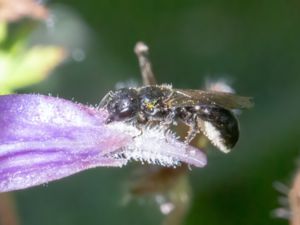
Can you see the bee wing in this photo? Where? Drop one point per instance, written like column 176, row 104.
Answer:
column 189, row 97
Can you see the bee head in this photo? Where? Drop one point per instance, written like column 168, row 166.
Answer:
column 123, row 104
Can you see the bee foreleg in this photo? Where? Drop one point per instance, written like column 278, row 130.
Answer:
column 141, row 118
column 171, row 118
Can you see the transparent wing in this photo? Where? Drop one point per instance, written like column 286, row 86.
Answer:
column 189, row 97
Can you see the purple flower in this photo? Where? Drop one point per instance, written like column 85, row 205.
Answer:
column 44, row 138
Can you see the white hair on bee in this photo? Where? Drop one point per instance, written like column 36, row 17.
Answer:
column 169, row 86
column 214, row 135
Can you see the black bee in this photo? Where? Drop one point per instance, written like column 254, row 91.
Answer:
column 206, row 111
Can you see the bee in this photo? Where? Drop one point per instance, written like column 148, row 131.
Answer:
column 209, row 112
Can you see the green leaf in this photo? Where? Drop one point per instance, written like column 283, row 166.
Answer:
column 29, row 67
column 3, row 31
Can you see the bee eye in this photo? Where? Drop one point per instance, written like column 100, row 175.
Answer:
column 123, row 105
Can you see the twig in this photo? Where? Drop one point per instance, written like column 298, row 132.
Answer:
column 142, row 52
column 8, row 212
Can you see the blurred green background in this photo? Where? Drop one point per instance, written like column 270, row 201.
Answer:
column 254, row 44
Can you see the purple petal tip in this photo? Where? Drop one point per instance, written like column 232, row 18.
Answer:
column 44, row 138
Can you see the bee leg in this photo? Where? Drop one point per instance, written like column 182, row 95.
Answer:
column 170, row 119
column 193, row 129
column 141, row 118
column 140, row 122
column 191, row 135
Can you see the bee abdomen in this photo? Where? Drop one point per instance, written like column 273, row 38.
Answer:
column 220, row 126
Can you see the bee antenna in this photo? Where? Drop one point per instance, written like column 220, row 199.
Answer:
column 142, row 52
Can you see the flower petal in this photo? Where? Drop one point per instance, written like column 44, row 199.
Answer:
column 44, row 138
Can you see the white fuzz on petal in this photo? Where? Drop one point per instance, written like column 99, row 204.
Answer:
column 158, row 145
